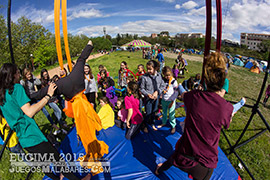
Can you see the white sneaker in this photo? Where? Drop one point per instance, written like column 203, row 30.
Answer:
column 243, row 101
column 56, row 132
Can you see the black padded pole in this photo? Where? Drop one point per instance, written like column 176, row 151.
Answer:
column 9, row 31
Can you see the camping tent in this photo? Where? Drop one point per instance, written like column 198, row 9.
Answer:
column 249, row 65
column 137, row 43
column 255, row 69
column 238, row 62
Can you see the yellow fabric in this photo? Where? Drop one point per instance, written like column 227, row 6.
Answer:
column 65, row 33
column 57, row 32
column 106, row 115
column 87, row 123
column 13, row 141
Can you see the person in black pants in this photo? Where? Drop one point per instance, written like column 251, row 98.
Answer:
column 72, row 84
column 69, row 86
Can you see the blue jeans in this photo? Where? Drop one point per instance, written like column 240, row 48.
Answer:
column 162, row 64
column 181, row 89
column 57, row 112
column 151, row 107
column 238, row 105
column 47, row 114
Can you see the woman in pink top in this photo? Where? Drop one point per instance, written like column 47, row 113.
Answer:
column 196, row 152
column 132, row 104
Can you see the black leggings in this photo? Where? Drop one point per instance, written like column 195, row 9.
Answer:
column 72, row 84
column 132, row 131
column 198, row 172
column 91, row 97
column 45, row 149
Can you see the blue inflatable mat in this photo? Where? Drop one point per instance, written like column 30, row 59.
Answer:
column 1, row 141
column 137, row 159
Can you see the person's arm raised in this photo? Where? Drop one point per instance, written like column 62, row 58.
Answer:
column 86, row 51
column 61, row 83
column 31, row 110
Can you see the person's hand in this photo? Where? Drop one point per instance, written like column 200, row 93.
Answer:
column 90, row 43
column 51, row 89
column 96, row 95
column 150, row 96
column 155, row 95
column 128, row 124
column 62, row 72
column 200, row 87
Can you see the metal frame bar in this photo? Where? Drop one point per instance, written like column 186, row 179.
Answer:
column 255, row 110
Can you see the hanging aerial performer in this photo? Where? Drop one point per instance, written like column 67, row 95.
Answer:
column 72, row 87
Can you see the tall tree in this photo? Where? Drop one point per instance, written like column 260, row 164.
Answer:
column 25, row 39
column 4, row 50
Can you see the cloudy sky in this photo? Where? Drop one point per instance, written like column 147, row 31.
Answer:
column 144, row 17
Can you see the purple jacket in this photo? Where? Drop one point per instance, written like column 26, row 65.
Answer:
column 175, row 72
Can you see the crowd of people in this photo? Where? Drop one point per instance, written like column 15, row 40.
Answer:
column 152, row 90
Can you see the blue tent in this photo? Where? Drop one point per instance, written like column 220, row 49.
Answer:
column 249, row 65
column 137, row 158
column 238, row 62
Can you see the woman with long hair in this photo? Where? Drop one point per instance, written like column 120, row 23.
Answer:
column 17, row 110
column 45, row 81
column 196, row 152
column 90, row 85
column 105, row 82
column 31, row 84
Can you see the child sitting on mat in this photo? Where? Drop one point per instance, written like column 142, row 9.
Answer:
column 106, row 113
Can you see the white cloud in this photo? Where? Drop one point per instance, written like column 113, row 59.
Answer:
column 85, row 10
column 177, row 6
column 45, row 17
column 190, row 5
column 86, row 13
column 248, row 16
column 197, row 12
column 142, row 28
column 200, row 12
column 39, row 16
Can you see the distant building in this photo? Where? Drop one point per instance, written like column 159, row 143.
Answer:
column 196, row 35
column 189, row 35
column 230, row 43
column 252, row 40
column 154, row 35
column 164, row 34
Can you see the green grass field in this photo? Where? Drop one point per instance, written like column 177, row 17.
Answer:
column 242, row 84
